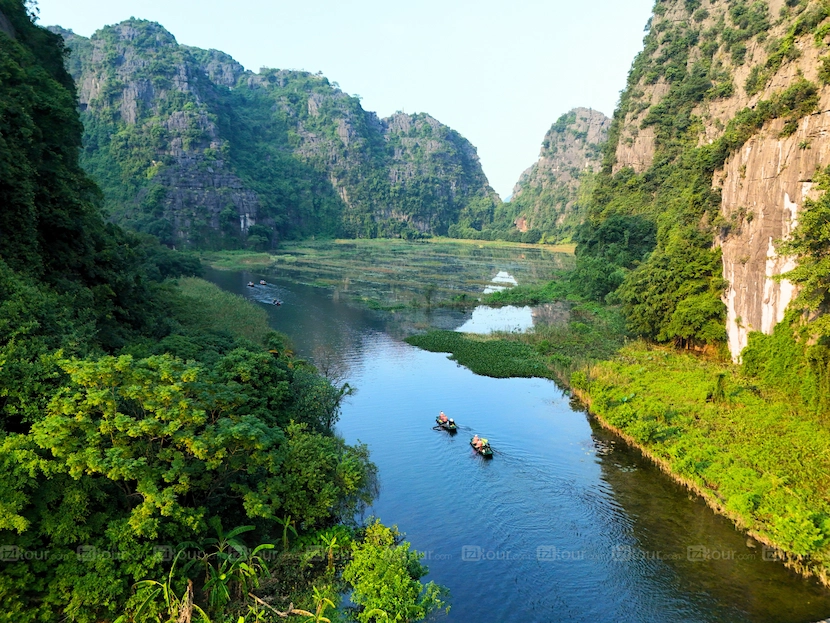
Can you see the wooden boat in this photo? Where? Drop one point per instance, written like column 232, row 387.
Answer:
column 450, row 427
column 485, row 450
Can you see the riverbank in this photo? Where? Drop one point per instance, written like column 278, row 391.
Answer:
column 747, row 450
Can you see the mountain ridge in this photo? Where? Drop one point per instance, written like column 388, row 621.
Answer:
column 545, row 196
column 210, row 150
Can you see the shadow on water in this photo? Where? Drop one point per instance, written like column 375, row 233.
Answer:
column 564, row 523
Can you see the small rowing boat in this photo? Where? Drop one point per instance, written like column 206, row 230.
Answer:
column 484, row 449
column 448, row 426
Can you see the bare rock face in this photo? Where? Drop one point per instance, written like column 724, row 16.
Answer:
column 765, row 183
column 6, row 26
column 546, row 192
column 764, row 188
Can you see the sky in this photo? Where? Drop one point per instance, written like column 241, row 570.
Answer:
column 500, row 72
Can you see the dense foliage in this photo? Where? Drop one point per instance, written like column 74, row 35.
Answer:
column 142, row 410
column 670, row 283
column 385, row 578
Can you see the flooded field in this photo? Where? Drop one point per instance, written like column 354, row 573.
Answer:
column 399, row 273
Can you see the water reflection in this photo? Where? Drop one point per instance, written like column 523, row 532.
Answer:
column 564, row 524
column 503, row 277
column 489, row 319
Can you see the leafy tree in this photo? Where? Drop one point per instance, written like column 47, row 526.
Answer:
column 810, row 245
column 385, row 576
column 607, row 250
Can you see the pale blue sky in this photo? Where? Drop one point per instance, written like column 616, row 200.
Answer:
column 499, row 72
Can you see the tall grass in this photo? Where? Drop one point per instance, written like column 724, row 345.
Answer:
column 750, row 451
column 207, row 308
column 237, row 260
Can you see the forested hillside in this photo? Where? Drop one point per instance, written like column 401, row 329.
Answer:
column 550, row 197
column 156, row 439
column 188, row 145
column 715, row 157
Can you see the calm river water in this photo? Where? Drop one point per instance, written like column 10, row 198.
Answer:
column 565, row 523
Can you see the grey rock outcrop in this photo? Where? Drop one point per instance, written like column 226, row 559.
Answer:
column 188, row 144
column 6, row 26
column 546, row 193
column 765, row 183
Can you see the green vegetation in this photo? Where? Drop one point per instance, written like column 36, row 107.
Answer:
column 746, row 447
column 585, row 333
column 486, row 355
column 286, row 149
column 208, row 309
column 528, row 294
column 394, row 274
column 385, row 578
column 238, row 260
column 143, row 410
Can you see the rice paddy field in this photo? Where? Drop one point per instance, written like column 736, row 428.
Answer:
column 397, row 273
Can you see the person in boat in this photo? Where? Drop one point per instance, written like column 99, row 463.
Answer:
column 262, row 282
column 250, row 284
column 276, row 302
column 442, row 418
column 451, row 423
column 476, row 442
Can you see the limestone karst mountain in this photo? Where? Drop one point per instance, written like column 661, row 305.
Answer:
column 545, row 199
column 715, row 146
column 188, row 145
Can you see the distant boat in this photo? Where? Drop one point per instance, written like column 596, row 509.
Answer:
column 276, row 302
column 250, row 284
column 262, row 282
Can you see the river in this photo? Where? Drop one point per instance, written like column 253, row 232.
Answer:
column 565, row 523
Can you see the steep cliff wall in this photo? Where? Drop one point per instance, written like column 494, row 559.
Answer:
column 188, row 145
column 544, row 198
column 706, row 69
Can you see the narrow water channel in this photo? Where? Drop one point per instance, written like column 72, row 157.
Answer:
column 565, row 523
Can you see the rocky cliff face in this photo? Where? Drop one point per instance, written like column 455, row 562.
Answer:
column 754, row 53
column 546, row 194
column 188, row 145
column 6, row 26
